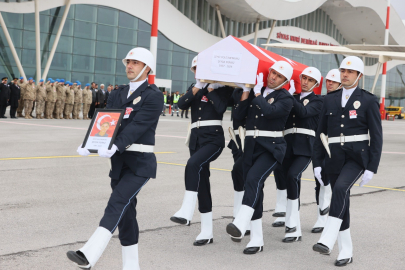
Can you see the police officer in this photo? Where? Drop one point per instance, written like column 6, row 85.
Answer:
column 29, row 97
column 235, row 145
column 15, row 95
column 267, row 110
column 87, row 100
column 133, row 162
column 206, row 142
column 175, row 100
column 299, row 134
column 348, row 116
column 40, row 99
column 323, row 193
column 4, row 97
column 21, row 84
column 78, row 93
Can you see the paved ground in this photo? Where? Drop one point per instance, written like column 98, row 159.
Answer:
column 51, row 201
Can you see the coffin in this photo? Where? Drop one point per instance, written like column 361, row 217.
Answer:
column 233, row 60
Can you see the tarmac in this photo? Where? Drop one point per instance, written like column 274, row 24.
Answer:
column 51, row 201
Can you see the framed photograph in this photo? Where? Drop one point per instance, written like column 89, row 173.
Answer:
column 103, row 129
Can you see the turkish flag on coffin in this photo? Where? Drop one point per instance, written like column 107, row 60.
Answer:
column 233, row 60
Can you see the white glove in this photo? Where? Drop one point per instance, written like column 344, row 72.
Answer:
column 259, row 84
column 367, row 176
column 82, row 151
column 317, row 174
column 199, row 84
column 214, row 85
column 107, row 153
column 292, row 87
column 245, row 89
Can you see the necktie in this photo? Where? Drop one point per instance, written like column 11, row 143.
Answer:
column 131, row 91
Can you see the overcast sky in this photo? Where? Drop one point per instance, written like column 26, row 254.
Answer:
column 399, row 6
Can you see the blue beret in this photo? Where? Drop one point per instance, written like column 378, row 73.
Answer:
column 30, row 78
column 21, row 78
column 61, row 80
column 50, row 79
column 87, row 84
column 79, row 83
column 41, row 80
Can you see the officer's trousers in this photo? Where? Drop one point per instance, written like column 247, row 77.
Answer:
column 13, row 111
column 280, row 178
column 92, row 109
column 237, row 172
column 182, row 112
column 120, row 211
column 325, row 180
column 20, row 107
column 197, row 174
column 3, row 107
column 292, row 169
column 341, row 185
column 254, row 176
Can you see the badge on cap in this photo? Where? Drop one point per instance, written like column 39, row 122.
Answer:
column 356, row 104
column 270, row 101
column 306, row 101
column 136, row 100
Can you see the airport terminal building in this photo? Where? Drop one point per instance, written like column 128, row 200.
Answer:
column 96, row 35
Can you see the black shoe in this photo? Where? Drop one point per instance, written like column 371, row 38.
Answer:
column 179, row 220
column 324, row 211
column 292, row 239
column 164, row 115
column 278, row 224
column 186, row 117
column 78, row 258
column 234, row 232
column 290, row 230
column 321, row 248
column 247, row 232
column 177, row 115
column 172, row 114
column 203, row 242
column 343, row 262
column 3, row 117
column 317, row 230
column 279, row 214
column 182, row 117
column 252, row 250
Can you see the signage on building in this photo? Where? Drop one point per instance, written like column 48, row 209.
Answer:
column 302, row 40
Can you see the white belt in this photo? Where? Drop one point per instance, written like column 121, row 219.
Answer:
column 264, row 133
column 236, row 131
column 141, row 148
column 344, row 139
column 300, row 131
column 206, row 123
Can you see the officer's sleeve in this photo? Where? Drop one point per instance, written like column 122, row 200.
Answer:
column 185, row 101
column 318, row 151
column 147, row 116
column 241, row 108
column 376, row 137
column 311, row 109
column 218, row 99
column 280, row 108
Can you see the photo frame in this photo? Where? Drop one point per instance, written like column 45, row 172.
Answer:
column 103, row 129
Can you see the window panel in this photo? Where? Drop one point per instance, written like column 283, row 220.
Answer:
column 13, row 20
column 144, row 39
column 85, row 30
column 58, row 11
column 105, row 65
column 68, row 28
column 179, row 73
column 123, row 50
column 82, row 63
column 127, row 36
column 61, row 74
column 86, row 13
column 164, row 57
column 180, row 59
column 105, row 79
column 106, row 49
column 16, row 37
column 84, row 46
column 106, row 33
column 29, row 39
column 65, row 44
column 120, row 68
column 144, row 26
column 163, row 72
column 164, row 43
column 62, row 61
column 107, row 16
column 83, row 78
column 121, row 80
column 128, row 21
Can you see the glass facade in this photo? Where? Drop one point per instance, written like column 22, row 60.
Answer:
column 93, row 43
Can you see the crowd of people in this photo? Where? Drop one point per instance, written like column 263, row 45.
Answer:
column 53, row 99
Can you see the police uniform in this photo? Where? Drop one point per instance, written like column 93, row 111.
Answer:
column 15, row 95
column 133, row 163
column 205, row 144
column 237, row 152
column 265, row 147
column 351, row 120
column 4, row 98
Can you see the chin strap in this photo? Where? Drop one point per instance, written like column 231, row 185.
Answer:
column 354, row 82
column 281, row 85
column 140, row 74
column 315, row 85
